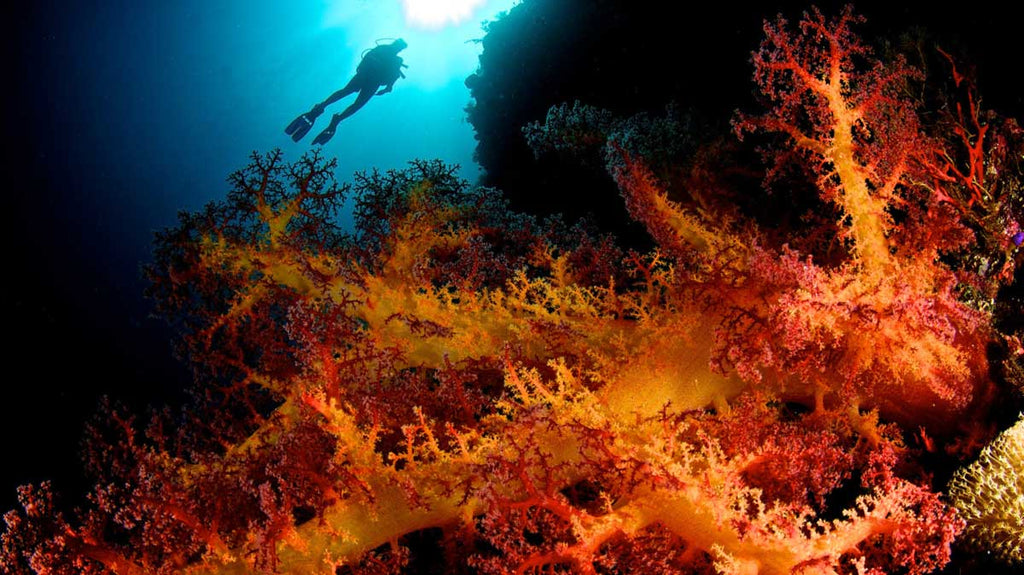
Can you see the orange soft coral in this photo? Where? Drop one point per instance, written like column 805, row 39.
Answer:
column 525, row 397
column 383, row 405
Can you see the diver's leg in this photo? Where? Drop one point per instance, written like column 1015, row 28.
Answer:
column 301, row 125
column 364, row 96
column 352, row 86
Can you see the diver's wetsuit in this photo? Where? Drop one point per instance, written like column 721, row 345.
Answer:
column 362, row 83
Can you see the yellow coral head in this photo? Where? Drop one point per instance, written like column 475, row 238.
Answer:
column 989, row 494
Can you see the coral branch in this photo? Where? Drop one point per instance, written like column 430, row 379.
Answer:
column 527, row 397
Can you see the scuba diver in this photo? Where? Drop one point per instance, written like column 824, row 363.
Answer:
column 380, row 66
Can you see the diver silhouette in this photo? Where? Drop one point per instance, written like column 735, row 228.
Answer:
column 380, row 66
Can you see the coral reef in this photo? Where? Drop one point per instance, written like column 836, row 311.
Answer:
column 459, row 384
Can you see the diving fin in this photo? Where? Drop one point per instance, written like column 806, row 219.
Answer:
column 300, row 126
column 328, row 132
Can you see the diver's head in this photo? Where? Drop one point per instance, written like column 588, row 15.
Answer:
column 399, row 45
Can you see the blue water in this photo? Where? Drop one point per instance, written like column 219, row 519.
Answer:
column 162, row 100
column 120, row 114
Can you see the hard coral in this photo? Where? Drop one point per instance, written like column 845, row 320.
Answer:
column 989, row 495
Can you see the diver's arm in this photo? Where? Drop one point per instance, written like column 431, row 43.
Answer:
column 390, row 86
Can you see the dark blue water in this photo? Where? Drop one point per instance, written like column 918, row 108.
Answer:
column 119, row 114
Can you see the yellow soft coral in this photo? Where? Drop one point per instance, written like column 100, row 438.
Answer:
column 990, row 495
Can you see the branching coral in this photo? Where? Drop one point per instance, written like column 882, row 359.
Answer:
column 533, row 396
column 787, row 320
column 382, row 402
